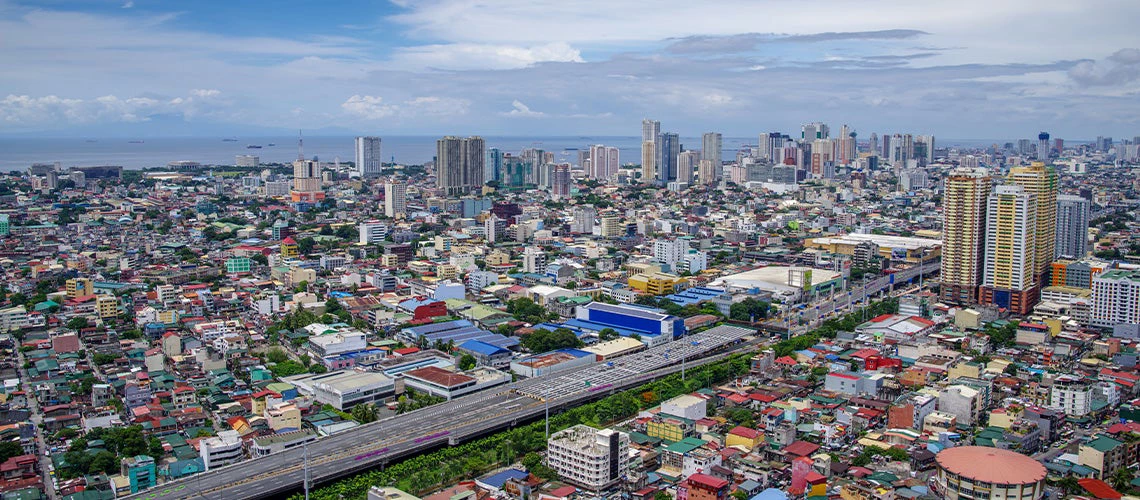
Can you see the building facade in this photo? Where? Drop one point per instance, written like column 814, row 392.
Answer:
column 963, row 234
column 1072, row 239
column 1115, row 298
column 368, row 159
column 1010, row 255
column 587, row 457
column 459, row 164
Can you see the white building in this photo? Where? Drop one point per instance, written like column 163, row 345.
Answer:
column 224, row 449
column 247, row 160
column 373, row 232
column 670, row 251
column 1115, row 298
column 1071, row 395
column 344, row 389
column 333, row 344
column 395, row 199
column 534, row 260
column 368, row 160
column 686, row 406
column 604, row 161
column 587, row 457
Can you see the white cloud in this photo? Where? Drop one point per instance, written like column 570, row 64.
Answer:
column 522, row 110
column 17, row 111
column 465, row 56
column 369, row 107
column 128, row 4
column 205, row 93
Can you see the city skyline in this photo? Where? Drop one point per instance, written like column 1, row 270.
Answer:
column 447, row 67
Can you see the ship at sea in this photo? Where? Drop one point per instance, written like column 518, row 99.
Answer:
column 134, row 142
column 253, row 146
column 229, row 140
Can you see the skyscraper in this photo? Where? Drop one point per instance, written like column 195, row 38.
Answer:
column 1043, row 146
column 873, row 144
column 667, row 151
column 709, row 172
column 963, row 234
column 494, row 171
column 1040, row 181
column 812, row 131
column 307, row 181
column 650, row 129
column 459, row 164
column 711, row 146
column 764, row 146
column 395, row 199
column 368, row 159
column 648, row 161
column 1008, row 278
column 821, row 153
column 604, row 162
column 1072, row 227
column 560, row 185
column 686, row 163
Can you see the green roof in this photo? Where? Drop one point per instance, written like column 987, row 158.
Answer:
column 1103, row 443
column 685, row 445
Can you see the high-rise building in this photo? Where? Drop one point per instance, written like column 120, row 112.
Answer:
column 604, row 162
column 1043, row 146
column 1072, row 227
column 812, row 131
column 560, row 184
column 650, row 129
column 1040, row 181
column 963, row 234
column 368, row 160
column 686, row 163
column 711, row 143
column 763, row 146
column 494, row 167
column 1116, row 298
column 307, row 181
column 648, row 161
column 1008, row 277
column 459, row 164
column 667, row 151
column 709, row 172
column 821, row 153
column 395, row 199
column 670, row 251
column 873, row 144
column 583, row 222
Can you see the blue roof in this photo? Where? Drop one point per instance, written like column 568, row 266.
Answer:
column 498, row 480
column 595, row 326
column 483, row 348
column 340, row 295
column 771, row 494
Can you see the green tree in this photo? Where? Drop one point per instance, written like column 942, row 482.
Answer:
column 545, row 340
column 525, row 310
column 467, row 362
column 608, row 334
column 1121, row 479
column 9, row 449
column 662, row 495
column 364, row 413
column 276, row 355
column 77, row 323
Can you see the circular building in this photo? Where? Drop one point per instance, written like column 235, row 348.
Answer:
column 978, row 472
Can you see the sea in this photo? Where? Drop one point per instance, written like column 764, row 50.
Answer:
column 19, row 154
column 151, row 152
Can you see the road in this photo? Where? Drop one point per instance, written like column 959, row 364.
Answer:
column 37, row 419
column 374, row 445
column 856, row 296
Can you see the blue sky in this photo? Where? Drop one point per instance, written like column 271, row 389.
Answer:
column 968, row 69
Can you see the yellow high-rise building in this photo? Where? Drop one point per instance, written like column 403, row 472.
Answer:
column 1040, row 180
column 1008, row 279
column 963, row 234
column 648, row 161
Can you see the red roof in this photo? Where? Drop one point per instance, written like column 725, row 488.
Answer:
column 707, row 481
column 744, row 432
column 762, row 397
column 407, row 350
column 924, row 321
column 786, row 360
column 1099, row 489
column 847, row 376
column 289, row 240
column 65, row 343
column 801, row 448
column 882, row 317
column 563, row 492
column 439, row 376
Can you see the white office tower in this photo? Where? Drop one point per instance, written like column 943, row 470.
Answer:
column 709, row 172
column 372, row 231
column 669, row 251
column 534, row 260
column 395, row 199
column 813, row 131
column 368, row 161
column 491, row 229
column 711, row 147
column 1072, row 227
column 247, row 161
column 604, row 162
column 686, row 164
column 589, row 458
column 583, row 222
column 764, row 147
column 1116, row 298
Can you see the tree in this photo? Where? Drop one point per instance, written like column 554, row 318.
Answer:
column 749, row 309
column 364, row 413
column 608, row 334
column 662, row 495
column 276, row 355
column 1121, row 479
column 101, row 358
column 77, row 323
column 525, row 310
column 9, row 449
column 467, row 362
column 545, row 340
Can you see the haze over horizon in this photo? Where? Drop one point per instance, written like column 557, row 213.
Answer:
column 969, row 70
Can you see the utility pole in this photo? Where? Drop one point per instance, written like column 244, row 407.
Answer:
column 547, row 401
column 306, row 469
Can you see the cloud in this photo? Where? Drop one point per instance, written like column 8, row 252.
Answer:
column 21, row 111
column 369, row 107
column 128, row 4
column 522, row 110
column 1122, row 67
column 747, row 42
column 475, row 56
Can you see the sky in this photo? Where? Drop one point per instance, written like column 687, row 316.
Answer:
column 964, row 69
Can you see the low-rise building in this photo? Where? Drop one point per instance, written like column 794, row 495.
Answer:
column 587, row 457
column 224, row 449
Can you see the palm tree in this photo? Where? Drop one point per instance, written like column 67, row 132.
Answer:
column 1121, row 479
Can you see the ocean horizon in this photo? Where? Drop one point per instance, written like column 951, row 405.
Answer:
column 156, row 152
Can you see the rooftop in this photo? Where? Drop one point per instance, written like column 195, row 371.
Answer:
column 991, row 465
